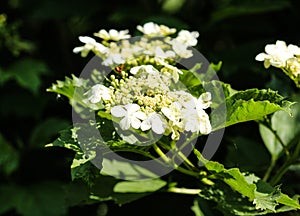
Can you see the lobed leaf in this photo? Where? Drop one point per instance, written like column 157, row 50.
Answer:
column 252, row 104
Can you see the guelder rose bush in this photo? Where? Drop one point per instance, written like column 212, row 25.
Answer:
column 143, row 100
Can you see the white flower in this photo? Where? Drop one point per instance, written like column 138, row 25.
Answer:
column 294, row 49
column 196, row 120
column 276, row 54
column 112, row 34
column 174, row 71
column 174, row 114
column 132, row 116
column 144, row 68
column 184, row 98
column 152, row 29
column 181, row 49
column 113, row 59
column 188, row 38
column 90, row 44
column 154, row 121
column 204, row 101
column 293, row 64
column 97, row 93
column 161, row 54
column 165, row 30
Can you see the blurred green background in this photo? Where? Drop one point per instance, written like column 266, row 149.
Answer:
column 36, row 42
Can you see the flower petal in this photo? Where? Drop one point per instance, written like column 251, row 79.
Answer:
column 261, row 57
column 118, row 111
column 86, row 39
column 135, row 123
column 125, row 123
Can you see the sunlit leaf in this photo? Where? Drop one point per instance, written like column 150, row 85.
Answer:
column 139, row 186
column 252, row 104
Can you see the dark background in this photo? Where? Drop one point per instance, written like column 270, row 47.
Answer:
column 36, row 50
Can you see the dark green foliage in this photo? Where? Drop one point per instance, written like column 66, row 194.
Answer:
column 36, row 42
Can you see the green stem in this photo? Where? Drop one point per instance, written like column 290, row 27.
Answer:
column 185, row 171
column 184, row 191
column 185, row 159
column 170, row 162
column 270, row 168
column 161, row 154
column 284, row 168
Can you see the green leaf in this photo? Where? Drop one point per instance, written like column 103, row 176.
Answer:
column 286, row 200
column 27, row 72
column 76, row 193
column 252, row 104
column 267, row 201
column 66, row 140
column 194, row 78
column 141, row 186
column 263, row 195
column 86, row 164
column 219, row 91
column 285, row 126
column 47, row 129
column 228, row 201
column 103, row 190
column 242, row 8
column 9, row 157
column 172, row 6
column 126, row 170
column 74, row 89
column 234, row 178
column 247, row 154
column 4, row 77
column 46, row 199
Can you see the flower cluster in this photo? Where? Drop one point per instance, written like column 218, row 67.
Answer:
column 282, row 56
column 116, row 47
column 146, row 95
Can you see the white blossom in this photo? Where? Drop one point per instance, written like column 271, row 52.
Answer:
column 97, row 93
column 196, row 120
column 164, row 54
column 185, row 99
column 152, row 29
column 294, row 49
column 174, row 71
column 181, row 49
column 90, row 45
column 144, row 68
column 130, row 114
column 174, row 113
column 112, row 34
column 165, row 30
column 188, row 38
column 276, row 54
column 204, row 101
column 113, row 59
column 293, row 64
column 154, row 121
